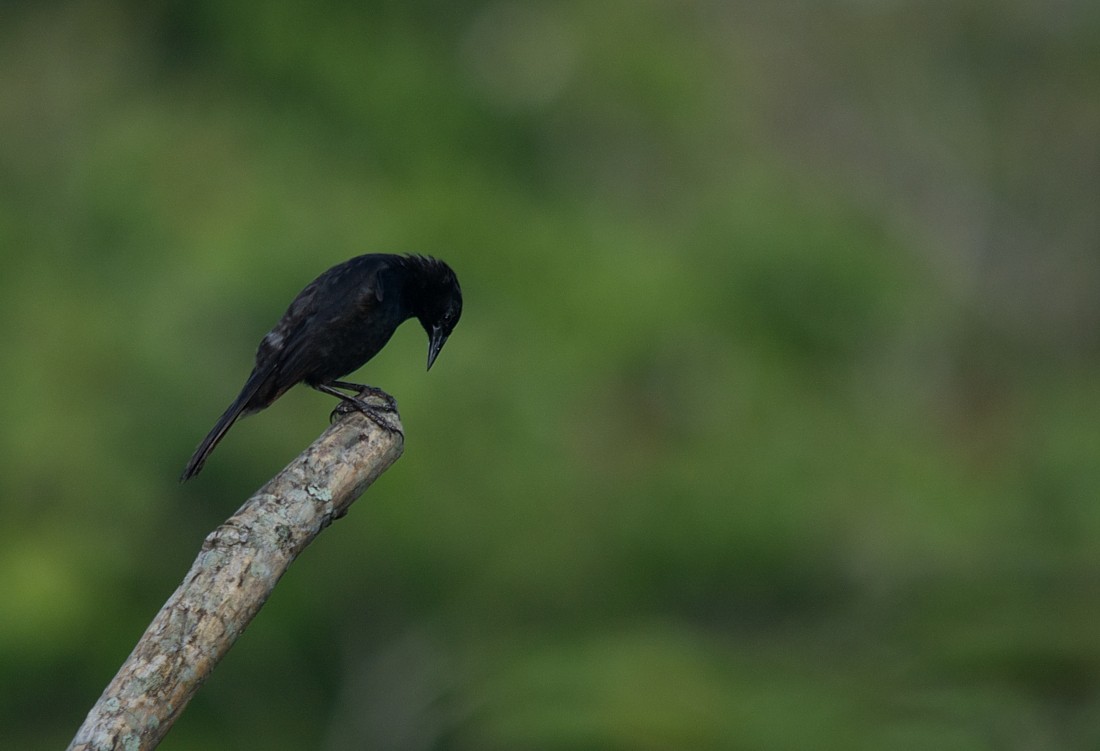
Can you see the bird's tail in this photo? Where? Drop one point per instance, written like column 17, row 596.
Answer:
column 238, row 409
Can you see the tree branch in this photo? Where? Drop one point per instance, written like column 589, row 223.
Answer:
column 233, row 575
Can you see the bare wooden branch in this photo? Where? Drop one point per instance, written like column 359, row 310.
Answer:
column 235, row 572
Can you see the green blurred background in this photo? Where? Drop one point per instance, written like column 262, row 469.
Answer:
column 771, row 422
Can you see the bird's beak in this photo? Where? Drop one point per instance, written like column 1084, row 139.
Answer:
column 435, row 343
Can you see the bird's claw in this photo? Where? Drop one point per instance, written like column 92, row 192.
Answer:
column 364, row 391
column 389, row 402
column 374, row 412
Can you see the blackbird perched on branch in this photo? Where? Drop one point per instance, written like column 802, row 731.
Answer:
column 337, row 323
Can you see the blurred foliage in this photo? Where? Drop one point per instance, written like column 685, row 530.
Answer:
column 771, row 422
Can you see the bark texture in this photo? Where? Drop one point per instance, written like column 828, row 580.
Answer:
column 233, row 575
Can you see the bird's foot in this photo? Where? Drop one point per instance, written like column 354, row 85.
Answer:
column 371, row 412
column 379, row 414
column 362, row 390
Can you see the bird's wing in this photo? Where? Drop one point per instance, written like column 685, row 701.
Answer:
column 319, row 308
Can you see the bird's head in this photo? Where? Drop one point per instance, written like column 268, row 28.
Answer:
column 439, row 303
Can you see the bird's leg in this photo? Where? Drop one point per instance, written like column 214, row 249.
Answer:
column 364, row 390
column 349, row 403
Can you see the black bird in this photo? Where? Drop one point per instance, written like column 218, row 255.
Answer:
column 338, row 322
